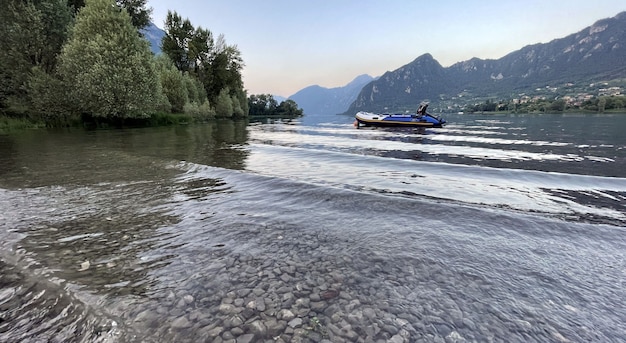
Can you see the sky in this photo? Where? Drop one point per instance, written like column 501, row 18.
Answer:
column 288, row 45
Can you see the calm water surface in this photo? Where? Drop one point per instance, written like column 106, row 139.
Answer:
column 505, row 228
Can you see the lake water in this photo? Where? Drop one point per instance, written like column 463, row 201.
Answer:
column 500, row 228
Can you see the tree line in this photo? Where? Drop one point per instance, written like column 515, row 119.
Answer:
column 64, row 61
column 597, row 104
column 266, row 105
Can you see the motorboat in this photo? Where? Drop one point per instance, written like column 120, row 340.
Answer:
column 419, row 119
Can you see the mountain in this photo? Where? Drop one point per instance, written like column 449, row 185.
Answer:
column 320, row 100
column 154, row 35
column 591, row 55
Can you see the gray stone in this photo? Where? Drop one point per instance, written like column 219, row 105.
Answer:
column 274, row 327
column 257, row 328
column 318, row 306
column 285, row 314
column 181, row 323
column 226, row 308
column 188, row 299
column 234, row 321
column 369, row 313
column 260, row 304
column 295, row 322
column 227, row 335
column 215, row 332
column 242, row 293
column 247, row 338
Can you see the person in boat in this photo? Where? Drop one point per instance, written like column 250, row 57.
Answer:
column 421, row 111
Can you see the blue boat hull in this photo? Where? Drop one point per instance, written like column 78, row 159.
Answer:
column 406, row 120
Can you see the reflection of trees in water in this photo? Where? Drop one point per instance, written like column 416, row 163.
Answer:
column 7, row 154
column 105, row 188
column 217, row 143
column 75, row 156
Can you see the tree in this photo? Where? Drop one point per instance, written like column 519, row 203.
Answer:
column 46, row 93
column 224, row 104
column 106, row 66
column 76, row 5
column 175, row 43
column 288, row 108
column 214, row 63
column 602, row 104
column 173, row 84
column 139, row 13
column 266, row 105
column 557, row 105
column 31, row 35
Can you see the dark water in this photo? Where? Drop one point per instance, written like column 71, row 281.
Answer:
column 492, row 229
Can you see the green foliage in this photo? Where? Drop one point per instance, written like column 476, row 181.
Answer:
column 173, row 84
column 288, row 108
column 596, row 104
column 164, row 119
column 177, row 41
column 106, row 66
column 224, row 104
column 67, row 59
column 195, row 89
column 216, row 65
column 8, row 124
column 47, row 99
column 199, row 111
column 139, row 13
column 31, row 34
column 266, row 105
column 262, row 104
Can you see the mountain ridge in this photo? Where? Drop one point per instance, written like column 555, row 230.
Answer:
column 592, row 54
column 318, row 100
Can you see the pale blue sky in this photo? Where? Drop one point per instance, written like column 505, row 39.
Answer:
column 288, row 45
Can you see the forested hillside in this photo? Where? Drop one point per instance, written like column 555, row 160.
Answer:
column 63, row 62
column 583, row 64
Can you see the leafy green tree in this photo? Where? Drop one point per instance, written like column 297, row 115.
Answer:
column 76, row 5
column 195, row 89
column 266, row 105
column 289, row 108
column 214, row 63
column 602, row 104
column 31, row 34
column 242, row 96
column 557, row 105
column 107, row 67
column 56, row 18
column 262, row 104
column 46, row 92
column 137, row 9
column 173, row 84
column 225, row 68
column 224, row 104
column 175, row 43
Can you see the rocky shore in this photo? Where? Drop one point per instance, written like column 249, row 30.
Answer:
column 297, row 290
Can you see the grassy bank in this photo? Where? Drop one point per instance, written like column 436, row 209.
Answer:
column 8, row 124
column 12, row 124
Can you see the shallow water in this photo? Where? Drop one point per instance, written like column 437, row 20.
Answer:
column 494, row 228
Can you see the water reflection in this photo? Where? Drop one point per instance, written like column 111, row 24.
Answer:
column 206, row 232
column 75, row 156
